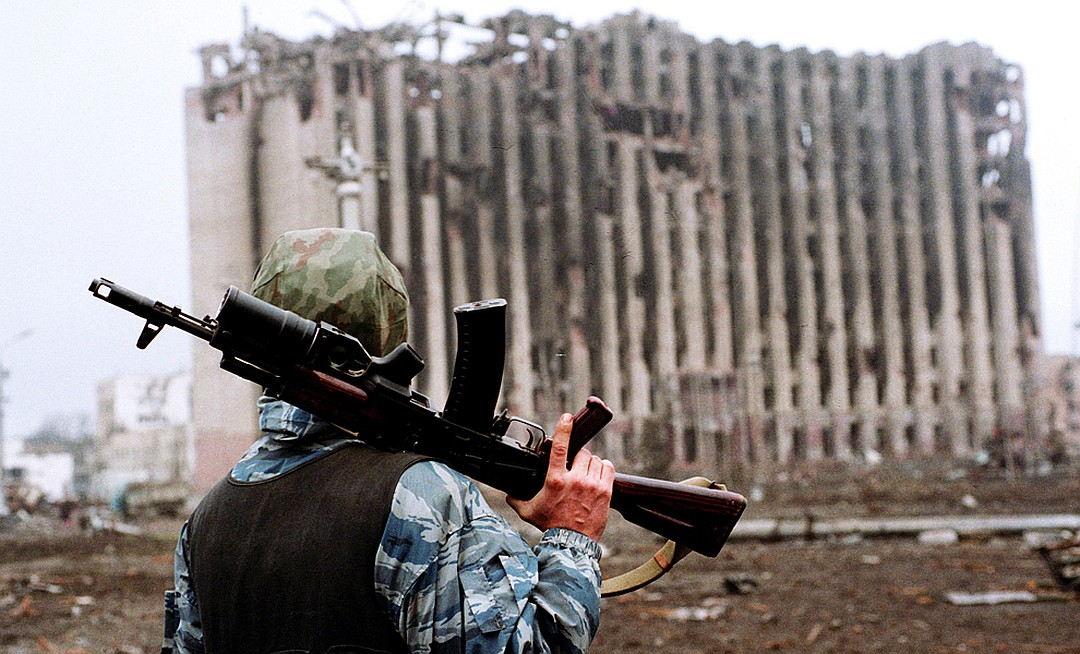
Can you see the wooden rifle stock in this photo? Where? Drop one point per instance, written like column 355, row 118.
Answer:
column 692, row 516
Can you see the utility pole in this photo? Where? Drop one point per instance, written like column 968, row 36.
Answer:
column 346, row 169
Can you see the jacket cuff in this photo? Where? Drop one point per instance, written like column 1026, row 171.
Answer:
column 572, row 539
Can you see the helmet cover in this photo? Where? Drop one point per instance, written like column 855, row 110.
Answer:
column 339, row 276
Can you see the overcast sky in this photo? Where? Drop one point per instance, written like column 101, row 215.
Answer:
column 92, row 169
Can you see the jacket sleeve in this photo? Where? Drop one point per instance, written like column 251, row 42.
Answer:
column 188, row 638
column 455, row 576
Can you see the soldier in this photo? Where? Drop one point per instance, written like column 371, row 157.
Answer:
column 318, row 543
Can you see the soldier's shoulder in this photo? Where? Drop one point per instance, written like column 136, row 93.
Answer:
column 432, row 490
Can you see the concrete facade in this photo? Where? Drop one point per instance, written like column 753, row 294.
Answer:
column 755, row 256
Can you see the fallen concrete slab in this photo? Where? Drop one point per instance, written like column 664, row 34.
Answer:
column 811, row 527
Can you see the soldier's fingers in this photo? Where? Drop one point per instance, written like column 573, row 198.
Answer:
column 608, row 473
column 560, row 444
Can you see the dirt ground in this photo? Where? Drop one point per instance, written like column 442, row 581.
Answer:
column 63, row 591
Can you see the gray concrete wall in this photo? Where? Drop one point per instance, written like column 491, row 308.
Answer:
column 758, row 257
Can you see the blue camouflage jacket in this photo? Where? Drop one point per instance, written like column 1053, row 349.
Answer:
column 452, row 574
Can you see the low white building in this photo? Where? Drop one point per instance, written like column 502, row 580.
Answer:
column 53, row 474
column 143, row 433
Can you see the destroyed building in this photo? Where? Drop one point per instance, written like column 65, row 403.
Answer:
column 755, row 256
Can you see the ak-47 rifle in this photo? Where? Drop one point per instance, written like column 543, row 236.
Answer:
column 329, row 373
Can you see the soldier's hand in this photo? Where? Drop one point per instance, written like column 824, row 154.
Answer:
column 577, row 498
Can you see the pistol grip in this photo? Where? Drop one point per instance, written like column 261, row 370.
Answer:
column 587, row 423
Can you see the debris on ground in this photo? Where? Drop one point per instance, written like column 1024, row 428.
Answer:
column 1001, row 597
column 1063, row 558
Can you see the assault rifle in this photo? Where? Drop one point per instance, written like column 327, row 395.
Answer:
column 327, row 372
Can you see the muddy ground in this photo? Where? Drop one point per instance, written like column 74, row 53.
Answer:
column 68, row 592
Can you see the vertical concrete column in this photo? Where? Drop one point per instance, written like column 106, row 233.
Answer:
column 396, row 151
column 436, row 374
column 976, row 325
column 920, row 337
column 885, row 265
column 722, row 356
column 451, row 106
column 778, row 358
column 1017, row 171
column 746, row 291
column 858, row 269
column 580, row 367
column 1017, row 180
column 572, row 172
column 664, row 363
column 621, row 40
column 715, row 226
column 523, row 383
column 659, row 188
column 1022, row 225
column 1007, row 337
column 569, row 143
column 663, row 306
column 550, row 333
column 804, row 317
column 480, row 153
column 638, row 403
column 949, row 338
column 832, row 328
column 222, row 212
column 629, row 217
column 457, row 255
column 611, row 377
column 364, row 115
column 690, row 294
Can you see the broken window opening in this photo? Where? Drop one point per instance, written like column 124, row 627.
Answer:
column 1015, row 113
column 305, row 98
column 222, row 102
column 607, row 65
column 341, row 79
column 361, row 78
column 621, row 118
column 998, row 143
column 667, row 160
column 219, row 66
column 1002, row 108
column 637, row 67
column 666, row 87
column 663, row 123
column 862, row 86
column 690, row 446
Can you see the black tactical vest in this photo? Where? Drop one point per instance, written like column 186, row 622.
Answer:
column 287, row 564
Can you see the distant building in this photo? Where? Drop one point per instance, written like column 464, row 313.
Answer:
column 53, row 473
column 143, row 433
column 755, row 256
column 75, row 447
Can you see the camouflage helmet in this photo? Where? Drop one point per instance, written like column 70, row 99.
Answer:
column 339, row 276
